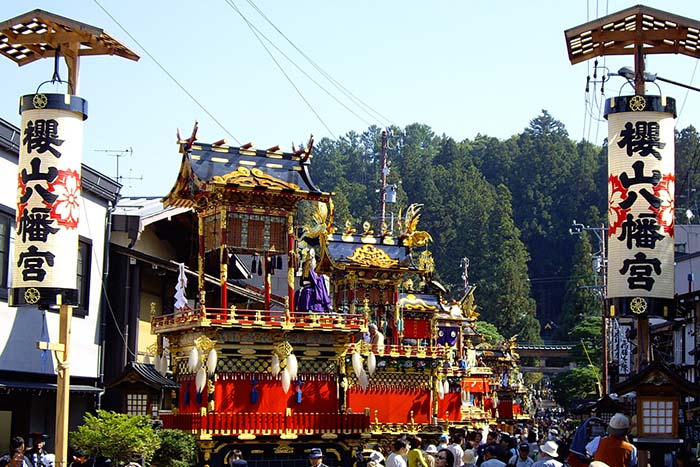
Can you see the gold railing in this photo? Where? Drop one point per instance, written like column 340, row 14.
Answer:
column 266, row 319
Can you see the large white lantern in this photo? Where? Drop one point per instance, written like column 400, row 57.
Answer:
column 48, row 200
column 641, row 184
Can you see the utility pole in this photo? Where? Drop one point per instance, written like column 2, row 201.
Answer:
column 600, row 234
column 382, row 187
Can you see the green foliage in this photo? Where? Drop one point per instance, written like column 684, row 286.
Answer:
column 489, row 332
column 507, row 205
column 120, row 437
column 177, row 449
column 587, row 334
column 575, row 384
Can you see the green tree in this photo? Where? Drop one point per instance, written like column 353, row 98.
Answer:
column 578, row 383
column 588, row 341
column 489, row 332
column 177, row 449
column 120, row 437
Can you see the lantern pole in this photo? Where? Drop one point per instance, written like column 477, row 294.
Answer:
column 27, row 38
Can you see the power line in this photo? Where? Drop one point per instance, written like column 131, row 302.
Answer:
column 167, row 72
column 369, row 110
column 255, row 33
column 306, row 74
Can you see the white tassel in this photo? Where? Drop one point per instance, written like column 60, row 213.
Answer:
column 364, row 379
column 163, row 365
column 292, row 366
column 286, row 380
column 193, row 362
column 371, row 363
column 440, row 389
column 275, row 365
column 200, row 380
column 357, row 363
column 212, row 360
column 156, row 363
column 147, row 359
column 446, row 386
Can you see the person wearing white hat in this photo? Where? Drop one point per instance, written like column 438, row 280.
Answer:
column 614, row 449
column 549, row 453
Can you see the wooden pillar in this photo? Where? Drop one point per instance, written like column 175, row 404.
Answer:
column 63, row 384
column 290, row 263
column 266, row 275
column 200, row 259
column 223, row 259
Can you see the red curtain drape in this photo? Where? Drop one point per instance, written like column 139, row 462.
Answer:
column 392, row 405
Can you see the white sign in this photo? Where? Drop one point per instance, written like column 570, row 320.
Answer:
column 641, row 183
column 48, row 195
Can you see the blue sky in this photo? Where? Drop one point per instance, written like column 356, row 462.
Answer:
column 462, row 67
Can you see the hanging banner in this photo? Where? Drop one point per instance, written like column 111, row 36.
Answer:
column 641, row 183
column 624, row 350
column 48, row 200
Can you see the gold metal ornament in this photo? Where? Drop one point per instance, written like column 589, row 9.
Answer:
column 368, row 255
column 32, row 295
column 638, row 103
column 39, row 101
column 638, row 305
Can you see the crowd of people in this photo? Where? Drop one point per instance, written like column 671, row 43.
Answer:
column 548, row 443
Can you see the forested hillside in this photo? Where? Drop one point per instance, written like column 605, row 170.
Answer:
column 507, row 205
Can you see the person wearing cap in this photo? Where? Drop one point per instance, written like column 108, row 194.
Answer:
column 614, row 449
column 430, row 453
column 316, row 458
column 548, row 453
column 444, row 441
column 522, row 458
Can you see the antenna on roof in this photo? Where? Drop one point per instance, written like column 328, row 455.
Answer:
column 118, row 154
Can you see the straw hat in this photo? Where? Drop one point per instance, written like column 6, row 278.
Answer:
column 550, row 448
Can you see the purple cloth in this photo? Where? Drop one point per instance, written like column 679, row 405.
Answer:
column 313, row 295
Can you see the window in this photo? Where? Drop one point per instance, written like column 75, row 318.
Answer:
column 137, row 404
column 83, row 275
column 6, row 219
column 659, row 416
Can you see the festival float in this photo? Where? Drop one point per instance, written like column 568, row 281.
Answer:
column 314, row 336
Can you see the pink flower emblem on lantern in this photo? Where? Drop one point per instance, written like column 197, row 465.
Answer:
column 66, row 209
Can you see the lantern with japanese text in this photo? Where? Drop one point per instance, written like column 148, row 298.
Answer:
column 48, row 200
column 641, row 181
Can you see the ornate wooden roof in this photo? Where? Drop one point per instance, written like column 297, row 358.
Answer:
column 621, row 33
column 37, row 34
column 209, row 168
column 358, row 251
column 661, row 378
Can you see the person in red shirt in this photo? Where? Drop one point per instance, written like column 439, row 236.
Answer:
column 614, row 449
